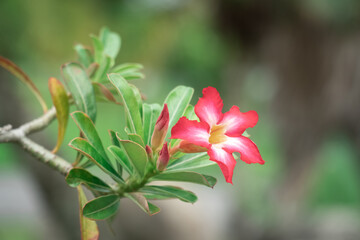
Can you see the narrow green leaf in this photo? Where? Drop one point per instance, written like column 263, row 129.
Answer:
column 192, row 177
column 84, row 54
column 111, row 42
column 190, row 162
column 103, row 94
column 183, row 195
column 127, row 68
column 89, row 151
column 103, row 69
column 102, row 207
column 137, row 155
column 151, row 113
column 130, row 103
column 80, row 87
column 89, row 228
column 17, row 72
column 177, row 102
column 122, row 158
column 61, row 103
column 136, row 138
column 98, row 49
column 151, row 196
column 114, row 139
column 138, row 97
column 133, row 75
column 76, row 176
column 141, row 201
column 88, row 130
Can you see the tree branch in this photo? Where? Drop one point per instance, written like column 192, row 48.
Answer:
column 19, row 135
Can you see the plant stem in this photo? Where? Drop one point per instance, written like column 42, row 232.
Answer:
column 19, row 135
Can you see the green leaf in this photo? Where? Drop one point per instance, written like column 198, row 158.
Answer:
column 98, row 49
column 103, row 68
column 177, row 102
column 151, row 113
column 141, row 201
column 138, row 97
column 183, row 195
column 133, row 75
column 127, row 68
column 89, row 151
column 122, row 158
column 190, row 162
column 76, row 176
column 137, row 155
column 103, row 94
column 131, row 105
column 136, row 138
column 61, row 103
column 84, row 54
column 17, row 72
column 114, row 139
column 89, row 228
column 80, row 87
column 88, row 129
column 192, row 177
column 102, row 207
column 150, row 196
column 111, row 42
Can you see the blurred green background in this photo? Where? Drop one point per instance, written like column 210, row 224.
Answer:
column 295, row 62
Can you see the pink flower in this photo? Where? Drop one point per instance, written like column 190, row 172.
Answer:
column 218, row 133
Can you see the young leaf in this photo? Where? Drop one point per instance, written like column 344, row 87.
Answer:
column 137, row 155
column 84, row 54
column 136, row 138
column 102, row 69
column 114, row 139
column 88, row 130
column 130, row 103
column 89, row 228
column 133, row 75
column 122, row 158
column 102, row 207
column 76, row 176
column 138, row 97
column 186, row 177
column 103, row 94
column 177, row 101
column 98, row 49
column 89, row 151
column 127, row 68
column 61, row 103
column 141, row 201
column 190, row 162
column 17, row 72
column 183, row 195
column 80, row 87
column 151, row 113
column 111, row 42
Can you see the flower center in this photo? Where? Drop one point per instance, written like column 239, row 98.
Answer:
column 217, row 134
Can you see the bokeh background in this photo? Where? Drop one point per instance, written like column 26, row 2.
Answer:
column 297, row 63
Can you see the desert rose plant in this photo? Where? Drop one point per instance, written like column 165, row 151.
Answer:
column 164, row 142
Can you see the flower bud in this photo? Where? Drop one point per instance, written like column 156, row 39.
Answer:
column 149, row 152
column 164, row 157
column 187, row 147
column 160, row 130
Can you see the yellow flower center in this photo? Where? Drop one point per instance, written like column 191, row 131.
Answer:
column 217, row 134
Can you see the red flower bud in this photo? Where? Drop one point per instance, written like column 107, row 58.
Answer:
column 164, row 157
column 160, row 130
column 149, row 153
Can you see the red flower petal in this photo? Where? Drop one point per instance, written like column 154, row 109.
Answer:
column 193, row 131
column 237, row 122
column 247, row 148
column 209, row 107
column 225, row 160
